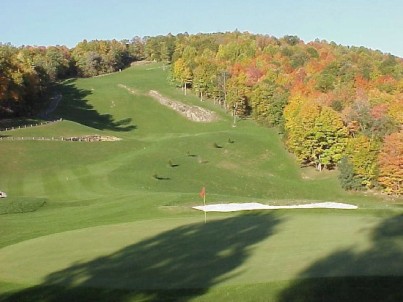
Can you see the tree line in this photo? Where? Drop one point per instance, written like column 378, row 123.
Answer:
column 28, row 73
column 335, row 106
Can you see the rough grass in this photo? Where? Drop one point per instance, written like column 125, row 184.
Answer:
column 93, row 190
column 20, row 205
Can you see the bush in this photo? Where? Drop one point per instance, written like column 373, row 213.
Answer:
column 348, row 180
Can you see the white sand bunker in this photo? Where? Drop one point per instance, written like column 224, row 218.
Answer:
column 233, row 207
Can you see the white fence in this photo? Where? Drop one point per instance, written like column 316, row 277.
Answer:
column 87, row 138
column 31, row 125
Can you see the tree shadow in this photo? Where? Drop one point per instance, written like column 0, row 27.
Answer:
column 75, row 107
column 373, row 275
column 176, row 265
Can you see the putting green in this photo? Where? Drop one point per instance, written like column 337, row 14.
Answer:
column 187, row 253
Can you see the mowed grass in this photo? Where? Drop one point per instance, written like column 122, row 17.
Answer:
column 110, row 228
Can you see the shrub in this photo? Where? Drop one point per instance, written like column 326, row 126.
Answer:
column 348, row 180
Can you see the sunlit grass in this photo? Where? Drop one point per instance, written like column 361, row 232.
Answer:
column 102, row 185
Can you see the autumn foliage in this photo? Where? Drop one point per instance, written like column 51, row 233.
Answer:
column 27, row 73
column 390, row 160
column 330, row 102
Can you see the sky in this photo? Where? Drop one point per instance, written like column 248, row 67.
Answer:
column 376, row 24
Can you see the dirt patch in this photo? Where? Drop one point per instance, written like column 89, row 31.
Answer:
column 139, row 63
column 92, row 138
column 131, row 90
column 310, row 173
column 227, row 165
column 193, row 113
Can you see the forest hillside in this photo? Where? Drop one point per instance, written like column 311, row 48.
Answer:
column 336, row 106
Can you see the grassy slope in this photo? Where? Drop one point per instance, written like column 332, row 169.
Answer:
column 87, row 185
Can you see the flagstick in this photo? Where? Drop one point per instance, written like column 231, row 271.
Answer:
column 205, row 212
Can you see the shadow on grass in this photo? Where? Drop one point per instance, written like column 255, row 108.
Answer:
column 157, row 177
column 176, row 265
column 373, row 275
column 75, row 107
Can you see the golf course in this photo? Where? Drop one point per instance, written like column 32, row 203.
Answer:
column 113, row 220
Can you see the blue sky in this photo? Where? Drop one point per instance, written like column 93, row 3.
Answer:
column 377, row 24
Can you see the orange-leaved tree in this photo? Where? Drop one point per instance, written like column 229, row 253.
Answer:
column 390, row 161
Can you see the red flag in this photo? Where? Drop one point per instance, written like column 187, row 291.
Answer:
column 203, row 192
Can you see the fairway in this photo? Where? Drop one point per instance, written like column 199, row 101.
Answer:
column 115, row 219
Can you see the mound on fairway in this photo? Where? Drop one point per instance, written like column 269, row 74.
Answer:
column 234, row 207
